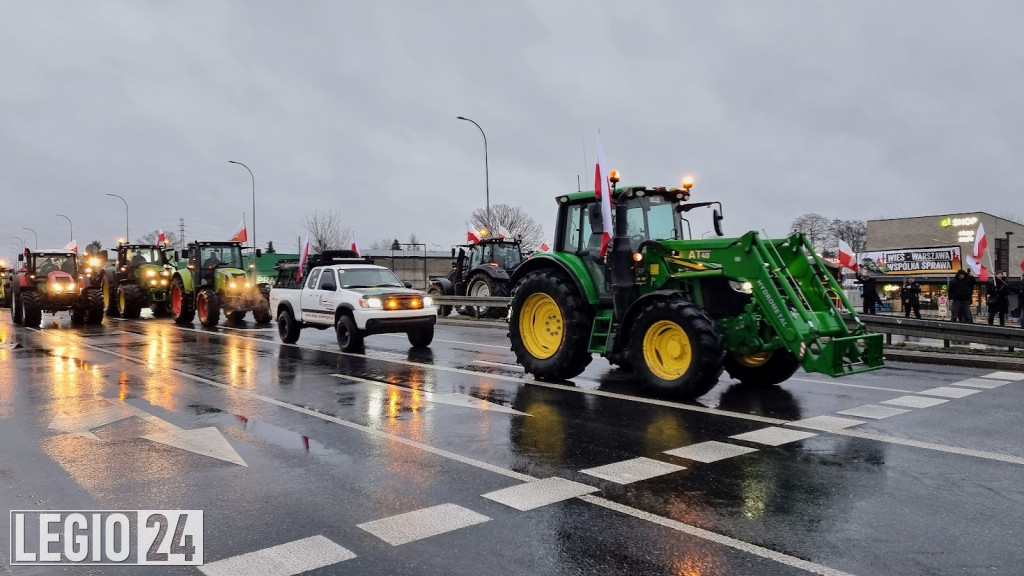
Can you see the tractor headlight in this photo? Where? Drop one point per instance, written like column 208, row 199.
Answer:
column 744, row 287
column 58, row 288
column 165, row 273
column 428, row 301
column 371, row 303
column 94, row 262
column 247, row 285
column 163, row 282
column 152, row 282
column 233, row 285
column 150, row 273
column 88, row 270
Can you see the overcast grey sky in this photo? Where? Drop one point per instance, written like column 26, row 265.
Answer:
column 849, row 109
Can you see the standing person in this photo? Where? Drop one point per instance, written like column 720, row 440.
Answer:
column 998, row 296
column 911, row 295
column 869, row 286
column 961, row 293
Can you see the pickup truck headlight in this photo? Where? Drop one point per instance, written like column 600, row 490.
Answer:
column 428, row 301
column 370, row 303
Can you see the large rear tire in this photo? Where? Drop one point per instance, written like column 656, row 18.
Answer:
column 129, row 301
column 763, row 368
column 109, row 293
column 434, row 291
column 208, row 307
column 550, row 326
column 350, row 339
column 31, row 310
column 93, row 298
column 287, row 327
column 182, row 306
column 675, row 349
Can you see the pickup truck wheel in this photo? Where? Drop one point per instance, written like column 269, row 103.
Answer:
column 763, row 368
column 349, row 337
column 287, row 328
column 208, row 308
column 421, row 337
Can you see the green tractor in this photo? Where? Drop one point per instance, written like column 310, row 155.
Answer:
column 678, row 311
column 215, row 279
column 138, row 278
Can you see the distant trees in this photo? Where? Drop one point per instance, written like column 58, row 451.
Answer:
column 151, row 237
column 825, row 233
column 270, row 247
column 326, row 230
column 514, row 219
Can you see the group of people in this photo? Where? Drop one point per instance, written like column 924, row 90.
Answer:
column 961, row 295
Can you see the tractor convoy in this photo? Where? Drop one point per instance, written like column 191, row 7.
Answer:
column 630, row 286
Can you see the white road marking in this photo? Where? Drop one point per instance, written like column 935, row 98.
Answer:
column 985, row 383
column 420, row 524
column 947, row 392
column 634, row 470
column 826, row 423
column 81, row 424
column 872, row 411
column 498, row 364
column 539, row 493
column 847, row 385
column 1011, row 376
column 914, row 401
column 282, row 560
column 774, row 436
column 450, row 398
column 932, row 446
column 733, row 543
column 204, row 441
column 710, row 451
column 455, row 342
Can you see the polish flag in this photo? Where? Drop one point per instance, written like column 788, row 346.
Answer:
column 73, row 246
column 160, row 238
column 472, row 235
column 354, row 248
column 544, row 247
column 303, row 257
column 603, row 193
column 503, row 232
column 847, row 257
column 241, row 234
column 974, row 260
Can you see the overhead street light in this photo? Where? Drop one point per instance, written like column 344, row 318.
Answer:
column 487, row 174
column 72, row 226
column 34, row 234
column 253, row 203
column 127, row 237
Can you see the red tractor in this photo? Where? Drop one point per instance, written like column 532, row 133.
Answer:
column 50, row 282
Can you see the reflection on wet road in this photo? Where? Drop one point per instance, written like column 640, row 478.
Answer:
column 451, row 460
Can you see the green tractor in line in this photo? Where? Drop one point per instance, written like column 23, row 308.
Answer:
column 679, row 311
column 139, row 277
column 215, row 279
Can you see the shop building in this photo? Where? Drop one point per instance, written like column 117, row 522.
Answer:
column 931, row 249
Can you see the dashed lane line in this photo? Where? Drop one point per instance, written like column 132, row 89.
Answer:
column 423, row 523
column 740, row 545
column 282, row 560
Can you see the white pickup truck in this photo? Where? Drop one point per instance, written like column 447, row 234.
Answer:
column 355, row 298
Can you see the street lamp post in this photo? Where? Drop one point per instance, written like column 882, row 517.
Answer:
column 127, row 238
column 34, row 234
column 20, row 239
column 487, row 174
column 253, row 203
column 72, row 226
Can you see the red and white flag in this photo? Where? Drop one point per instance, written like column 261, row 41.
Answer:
column 354, row 247
column 503, row 232
column 472, row 235
column 73, row 246
column 974, row 260
column 544, row 247
column 160, row 238
column 603, row 192
column 847, row 257
column 241, row 234
column 302, row 257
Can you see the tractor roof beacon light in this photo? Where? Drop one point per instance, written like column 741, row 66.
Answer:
column 613, row 177
column 687, row 183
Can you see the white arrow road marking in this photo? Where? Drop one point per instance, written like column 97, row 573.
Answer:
column 81, row 424
column 203, row 441
column 450, row 398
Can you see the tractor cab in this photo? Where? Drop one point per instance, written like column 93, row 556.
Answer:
column 218, row 279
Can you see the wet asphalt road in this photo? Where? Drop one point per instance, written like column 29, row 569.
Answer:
column 318, row 443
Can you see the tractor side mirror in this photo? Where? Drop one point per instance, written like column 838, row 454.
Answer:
column 407, row 284
column 716, row 218
column 259, row 252
column 21, row 257
column 184, row 254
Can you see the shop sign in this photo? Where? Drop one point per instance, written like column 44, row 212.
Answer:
column 944, row 260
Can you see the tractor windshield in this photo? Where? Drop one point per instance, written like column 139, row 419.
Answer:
column 139, row 256
column 46, row 263
column 650, row 218
column 221, row 257
column 506, row 256
column 368, row 278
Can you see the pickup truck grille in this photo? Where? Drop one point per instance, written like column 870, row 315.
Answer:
column 402, row 302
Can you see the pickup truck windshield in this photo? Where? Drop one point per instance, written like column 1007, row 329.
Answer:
column 368, row 278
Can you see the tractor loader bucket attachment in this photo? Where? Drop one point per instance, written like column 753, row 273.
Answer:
column 845, row 355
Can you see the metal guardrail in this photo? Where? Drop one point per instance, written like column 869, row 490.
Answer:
column 1010, row 337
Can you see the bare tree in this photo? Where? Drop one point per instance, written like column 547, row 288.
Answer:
column 514, row 219
column 151, row 237
column 818, row 230
column 326, row 230
column 382, row 244
column 853, row 232
column 413, row 239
